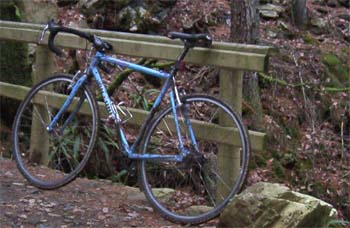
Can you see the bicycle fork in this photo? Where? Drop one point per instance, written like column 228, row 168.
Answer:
column 66, row 104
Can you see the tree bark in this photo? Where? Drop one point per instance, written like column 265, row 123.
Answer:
column 300, row 13
column 245, row 29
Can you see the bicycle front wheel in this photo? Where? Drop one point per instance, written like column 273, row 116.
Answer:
column 214, row 169
column 50, row 160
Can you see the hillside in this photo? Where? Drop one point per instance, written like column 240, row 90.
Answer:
column 305, row 95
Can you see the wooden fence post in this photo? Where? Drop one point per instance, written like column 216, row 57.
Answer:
column 39, row 141
column 231, row 84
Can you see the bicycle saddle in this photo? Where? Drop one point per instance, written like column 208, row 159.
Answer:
column 199, row 39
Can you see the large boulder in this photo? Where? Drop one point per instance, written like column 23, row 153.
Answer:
column 274, row 205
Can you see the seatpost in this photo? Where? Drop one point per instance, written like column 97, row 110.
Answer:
column 176, row 68
column 179, row 60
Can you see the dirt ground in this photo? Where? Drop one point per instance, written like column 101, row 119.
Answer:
column 82, row 203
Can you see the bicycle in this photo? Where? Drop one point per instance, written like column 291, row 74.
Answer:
column 179, row 164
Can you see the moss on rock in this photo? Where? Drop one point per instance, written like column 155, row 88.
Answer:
column 336, row 70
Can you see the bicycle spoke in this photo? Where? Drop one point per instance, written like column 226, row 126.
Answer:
column 51, row 160
column 199, row 188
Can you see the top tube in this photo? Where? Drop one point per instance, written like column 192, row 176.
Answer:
column 133, row 66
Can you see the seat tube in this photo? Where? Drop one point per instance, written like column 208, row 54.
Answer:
column 189, row 127
column 176, row 119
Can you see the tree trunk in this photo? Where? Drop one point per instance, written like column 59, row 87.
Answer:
column 299, row 13
column 245, row 29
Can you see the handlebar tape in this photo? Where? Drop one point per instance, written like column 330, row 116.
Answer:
column 55, row 29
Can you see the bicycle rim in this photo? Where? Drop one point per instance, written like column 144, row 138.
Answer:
column 51, row 160
column 197, row 189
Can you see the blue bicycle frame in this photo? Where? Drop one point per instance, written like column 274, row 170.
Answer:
column 130, row 151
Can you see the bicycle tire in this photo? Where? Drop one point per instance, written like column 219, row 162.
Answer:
column 154, row 174
column 67, row 153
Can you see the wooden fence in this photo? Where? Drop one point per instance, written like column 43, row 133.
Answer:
column 231, row 58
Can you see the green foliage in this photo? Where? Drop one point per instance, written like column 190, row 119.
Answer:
column 18, row 12
column 278, row 169
column 289, row 159
column 336, row 71
column 141, row 99
column 309, row 39
column 258, row 160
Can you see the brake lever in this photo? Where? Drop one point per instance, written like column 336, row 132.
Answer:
column 43, row 33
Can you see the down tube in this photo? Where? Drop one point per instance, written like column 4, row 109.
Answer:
column 111, row 109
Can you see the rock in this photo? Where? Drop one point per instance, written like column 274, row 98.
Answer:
column 270, row 11
column 134, row 194
column 274, row 205
column 164, row 194
column 272, row 34
column 105, row 210
column 126, row 19
column 196, row 210
column 90, row 6
column 48, row 10
column 268, row 14
column 320, row 25
column 23, row 216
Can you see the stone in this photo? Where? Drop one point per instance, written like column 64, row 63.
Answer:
column 272, row 34
column 270, row 11
column 134, row 194
column 197, row 209
column 164, row 194
column 275, row 205
column 319, row 25
column 126, row 19
column 90, row 6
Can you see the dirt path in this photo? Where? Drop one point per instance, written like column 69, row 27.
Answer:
column 83, row 203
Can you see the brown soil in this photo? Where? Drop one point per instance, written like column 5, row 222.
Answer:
column 82, row 203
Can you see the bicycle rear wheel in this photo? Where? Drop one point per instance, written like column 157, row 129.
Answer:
column 198, row 188
column 51, row 160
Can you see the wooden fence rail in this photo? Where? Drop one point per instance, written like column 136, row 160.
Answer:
column 231, row 58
